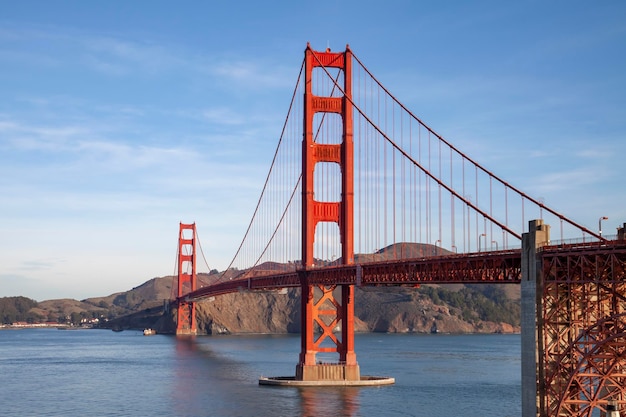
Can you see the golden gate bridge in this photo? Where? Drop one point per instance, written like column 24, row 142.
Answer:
column 356, row 172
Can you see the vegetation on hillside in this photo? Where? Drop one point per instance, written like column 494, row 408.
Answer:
column 486, row 302
column 14, row 309
column 22, row 309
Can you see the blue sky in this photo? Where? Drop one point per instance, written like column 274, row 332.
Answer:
column 120, row 119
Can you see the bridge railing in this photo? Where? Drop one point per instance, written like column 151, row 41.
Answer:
column 583, row 241
column 502, row 266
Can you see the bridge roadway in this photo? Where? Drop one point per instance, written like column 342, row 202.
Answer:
column 502, row 266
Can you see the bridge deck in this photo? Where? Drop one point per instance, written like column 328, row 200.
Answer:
column 481, row 267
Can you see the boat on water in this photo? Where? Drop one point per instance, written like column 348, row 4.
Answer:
column 149, row 332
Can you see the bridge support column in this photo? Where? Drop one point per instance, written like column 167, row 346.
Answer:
column 322, row 314
column 327, row 324
column 531, row 320
column 186, row 314
column 186, row 319
column 327, row 308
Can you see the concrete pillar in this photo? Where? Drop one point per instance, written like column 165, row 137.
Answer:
column 612, row 409
column 621, row 232
column 532, row 327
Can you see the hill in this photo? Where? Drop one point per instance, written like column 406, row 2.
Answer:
column 430, row 308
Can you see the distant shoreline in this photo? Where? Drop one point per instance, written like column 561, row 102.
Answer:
column 19, row 326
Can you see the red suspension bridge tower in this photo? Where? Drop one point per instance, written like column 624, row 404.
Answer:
column 324, row 308
column 186, row 315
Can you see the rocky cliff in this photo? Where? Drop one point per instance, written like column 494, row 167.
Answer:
column 390, row 310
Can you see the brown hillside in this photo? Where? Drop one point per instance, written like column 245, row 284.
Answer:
column 390, row 310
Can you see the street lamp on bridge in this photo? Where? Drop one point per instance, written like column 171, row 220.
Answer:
column 480, row 238
column 600, row 224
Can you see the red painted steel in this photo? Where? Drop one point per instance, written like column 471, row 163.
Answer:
column 186, row 315
column 582, row 320
column 478, row 268
column 320, row 309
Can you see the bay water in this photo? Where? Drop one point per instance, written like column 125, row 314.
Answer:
column 47, row 372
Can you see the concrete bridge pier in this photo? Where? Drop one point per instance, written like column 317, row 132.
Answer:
column 612, row 409
column 532, row 298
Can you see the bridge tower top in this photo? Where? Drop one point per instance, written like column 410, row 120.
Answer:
column 313, row 211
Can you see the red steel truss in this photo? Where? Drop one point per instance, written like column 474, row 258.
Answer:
column 583, row 318
column 486, row 267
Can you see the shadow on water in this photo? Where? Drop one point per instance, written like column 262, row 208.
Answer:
column 207, row 379
column 205, row 382
column 470, row 375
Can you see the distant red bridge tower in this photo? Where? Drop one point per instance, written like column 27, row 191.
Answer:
column 186, row 316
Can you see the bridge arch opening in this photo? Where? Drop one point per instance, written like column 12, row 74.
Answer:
column 327, row 127
column 327, row 182
column 327, row 245
column 327, row 81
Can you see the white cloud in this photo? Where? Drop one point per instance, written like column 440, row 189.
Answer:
column 253, row 74
column 107, row 67
column 573, row 179
column 31, row 265
column 223, row 115
column 122, row 57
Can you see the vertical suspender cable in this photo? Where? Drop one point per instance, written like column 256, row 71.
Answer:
column 452, row 214
column 490, row 209
column 506, row 214
column 477, row 204
column 439, row 194
column 421, row 191
column 427, row 220
column 393, row 184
